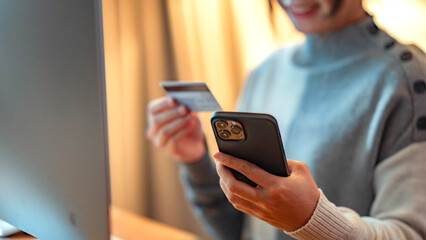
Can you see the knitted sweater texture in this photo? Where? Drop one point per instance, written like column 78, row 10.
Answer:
column 352, row 105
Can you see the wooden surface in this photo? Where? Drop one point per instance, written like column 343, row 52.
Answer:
column 129, row 226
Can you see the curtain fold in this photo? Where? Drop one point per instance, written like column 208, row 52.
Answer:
column 138, row 56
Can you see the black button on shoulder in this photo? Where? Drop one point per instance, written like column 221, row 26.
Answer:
column 406, row 56
column 390, row 44
column 421, row 123
column 419, row 86
column 373, row 29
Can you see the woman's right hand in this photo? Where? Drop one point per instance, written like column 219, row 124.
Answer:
column 175, row 130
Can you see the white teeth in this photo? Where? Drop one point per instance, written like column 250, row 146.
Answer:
column 301, row 9
column 287, row 2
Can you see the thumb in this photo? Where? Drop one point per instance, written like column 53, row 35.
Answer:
column 297, row 167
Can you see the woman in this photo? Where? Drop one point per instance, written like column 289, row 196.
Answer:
column 351, row 103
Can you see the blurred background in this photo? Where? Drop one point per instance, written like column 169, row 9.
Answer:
column 213, row 41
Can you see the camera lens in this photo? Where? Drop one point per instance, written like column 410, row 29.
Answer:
column 235, row 129
column 224, row 134
column 221, row 124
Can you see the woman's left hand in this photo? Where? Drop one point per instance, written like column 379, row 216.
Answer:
column 286, row 203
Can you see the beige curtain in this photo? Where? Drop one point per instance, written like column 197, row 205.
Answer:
column 138, row 57
column 214, row 41
column 148, row 41
column 404, row 19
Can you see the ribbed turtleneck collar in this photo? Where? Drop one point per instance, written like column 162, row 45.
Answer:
column 323, row 49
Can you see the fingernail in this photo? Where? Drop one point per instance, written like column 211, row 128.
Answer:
column 182, row 109
column 172, row 101
column 216, row 155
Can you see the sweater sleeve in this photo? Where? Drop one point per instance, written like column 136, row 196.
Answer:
column 398, row 211
column 209, row 203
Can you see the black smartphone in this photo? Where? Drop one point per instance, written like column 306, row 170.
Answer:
column 254, row 137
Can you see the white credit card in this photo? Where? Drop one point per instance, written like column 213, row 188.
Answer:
column 194, row 95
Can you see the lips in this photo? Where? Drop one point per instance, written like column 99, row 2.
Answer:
column 302, row 10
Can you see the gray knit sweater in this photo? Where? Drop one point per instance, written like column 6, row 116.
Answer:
column 352, row 105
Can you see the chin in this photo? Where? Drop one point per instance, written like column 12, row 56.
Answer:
column 308, row 29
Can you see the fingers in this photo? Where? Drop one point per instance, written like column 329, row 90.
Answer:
column 161, row 104
column 234, row 186
column 238, row 202
column 162, row 111
column 170, row 114
column 157, row 121
column 169, row 130
column 251, row 171
column 284, row 202
column 297, row 167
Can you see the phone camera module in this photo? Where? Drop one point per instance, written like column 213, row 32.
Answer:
column 221, row 124
column 235, row 129
column 224, row 134
column 228, row 130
